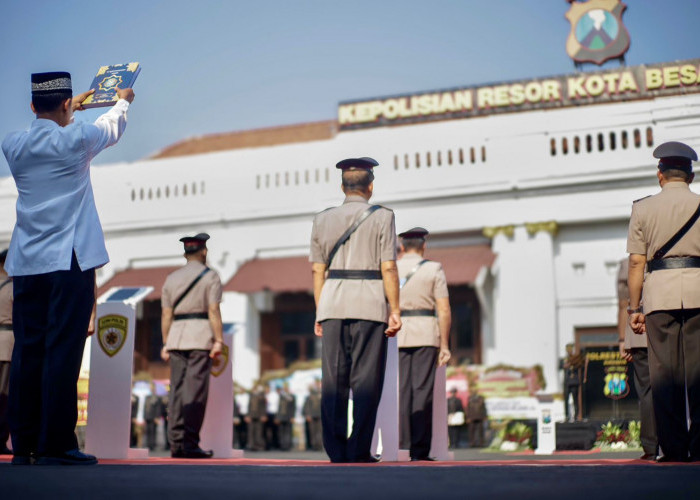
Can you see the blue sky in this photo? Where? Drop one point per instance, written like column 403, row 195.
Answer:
column 215, row 66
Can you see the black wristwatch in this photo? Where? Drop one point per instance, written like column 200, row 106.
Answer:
column 634, row 311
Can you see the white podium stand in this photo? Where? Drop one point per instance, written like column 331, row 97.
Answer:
column 386, row 430
column 107, row 433
column 217, row 428
column 546, row 428
column 439, row 446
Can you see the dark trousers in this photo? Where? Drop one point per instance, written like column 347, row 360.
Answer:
column 315, row 441
column 454, row 433
column 285, row 434
column 240, row 434
column 256, row 438
column 573, row 390
column 476, row 434
column 189, row 388
column 272, row 440
column 51, row 313
column 416, row 382
column 674, row 365
column 642, row 383
column 354, row 357
column 4, row 392
column 151, row 429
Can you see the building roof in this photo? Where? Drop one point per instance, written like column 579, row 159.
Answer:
column 271, row 136
column 293, row 274
column 149, row 276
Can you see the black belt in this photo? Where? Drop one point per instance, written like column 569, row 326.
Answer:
column 179, row 317
column 6, row 327
column 418, row 312
column 673, row 263
column 345, row 274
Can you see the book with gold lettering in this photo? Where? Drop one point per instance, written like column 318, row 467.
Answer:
column 106, row 82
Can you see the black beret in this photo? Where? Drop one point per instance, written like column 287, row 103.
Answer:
column 416, row 232
column 54, row 82
column 364, row 163
column 675, row 155
column 195, row 243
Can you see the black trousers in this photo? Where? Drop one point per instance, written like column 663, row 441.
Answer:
column 285, row 434
column 642, row 384
column 315, row 441
column 354, row 357
column 674, row 366
column 256, row 435
column 50, row 316
column 572, row 389
column 272, row 440
column 151, row 428
column 476, row 434
column 4, row 393
column 455, row 434
column 189, row 389
column 416, row 382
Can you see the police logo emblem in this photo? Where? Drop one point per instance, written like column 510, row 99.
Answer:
column 597, row 32
column 111, row 333
column 220, row 362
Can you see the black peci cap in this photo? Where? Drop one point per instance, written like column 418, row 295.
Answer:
column 364, row 163
column 195, row 243
column 54, row 82
column 675, row 155
column 416, row 232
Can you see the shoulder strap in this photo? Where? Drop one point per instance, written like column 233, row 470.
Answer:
column 8, row 280
column 413, row 271
column 189, row 288
column 350, row 230
column 676, row 237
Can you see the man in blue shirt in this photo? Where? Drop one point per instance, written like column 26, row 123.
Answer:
column 56, row 245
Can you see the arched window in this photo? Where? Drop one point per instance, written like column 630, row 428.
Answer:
column 553, row 146
column 650, row 137
column 613, row 141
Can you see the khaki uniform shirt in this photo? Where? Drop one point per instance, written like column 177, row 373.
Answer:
column 7, row 338
column 632, row 340
column 420, row 292
column 372, row 243
column 190, row 334
column 654, row 221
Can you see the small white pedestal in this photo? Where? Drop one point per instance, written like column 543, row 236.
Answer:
column 439, row 445
column 217, row 428
column 107, row 434
column 546, row 428
column 386, row 429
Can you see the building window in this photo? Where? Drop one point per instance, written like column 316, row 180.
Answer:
column 589, row 143
column 133, row 194
column 601, row 143
column 158, row 193
column 637, row 138
column 306, row 176
column 439, row 158
column 396, row 162
column 194, row 188
column 461, row 156
column 175, row 191
column 167, row 191
column 650, row 137
column 184, row 190
column 286, row 178
column 623, row 139
column 472, row 155
column 257, row 181
column 277, row 179
column 577, row 144
column 449, row 157
column 427, row 159
column 552, row 146
column 296, row 178
column 405, row 161
column 565, row 145
column 141, row 194
column 267, row 181
column 317, row 176
column 328, row 175
column 417, row 160
column 613, row 141
column 483, row 154
column 201, row 187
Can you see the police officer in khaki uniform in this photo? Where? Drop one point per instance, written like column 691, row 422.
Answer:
column 671, row 313
column 353, row 251
column 192, row 337
column 423, row 340
column 633, row 349
column 7, row 342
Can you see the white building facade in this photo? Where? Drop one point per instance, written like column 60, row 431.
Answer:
column 548, row 189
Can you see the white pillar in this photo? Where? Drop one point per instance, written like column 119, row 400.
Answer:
column 386, row 429
column 525, row 300
column 217, row 428
column 546, row 428
column 439, row 445
column 107, row 434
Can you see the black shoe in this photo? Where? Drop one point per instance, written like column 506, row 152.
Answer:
column 368, row 460
column 424, row 459
column 23, row 460
column 666, row 459
column 649, row 457
column 197, row 453
column 71, row 457
column 5, row 451
column 177, row 453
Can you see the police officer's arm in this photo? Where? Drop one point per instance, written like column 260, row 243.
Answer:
column 214, row 313
column 622, row 303
column 444, row 314
column 166, row 321
column 635, row 281
column 390, row 277
column 318, row 271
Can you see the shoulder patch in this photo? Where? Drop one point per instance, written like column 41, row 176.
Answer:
column 385, row 208
column 640, row 199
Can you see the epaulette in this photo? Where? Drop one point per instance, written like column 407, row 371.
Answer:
column 640, row 199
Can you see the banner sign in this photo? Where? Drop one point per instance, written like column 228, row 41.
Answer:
column 618, row 85
column 608, row 389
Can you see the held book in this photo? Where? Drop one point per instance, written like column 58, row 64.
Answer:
column 107, row 80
